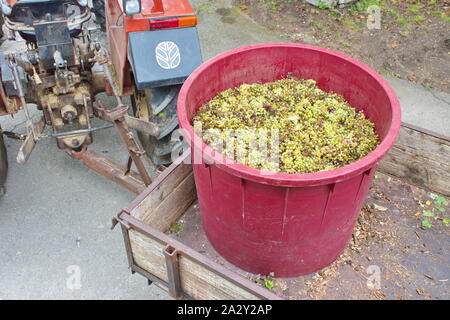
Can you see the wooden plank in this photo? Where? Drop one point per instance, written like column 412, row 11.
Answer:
column 159, row 194
column 148, row 254
column 183, row 160
column 203, row 284
column 420, row 158
column 162, row 215
column 197, row 281
column 160, row 209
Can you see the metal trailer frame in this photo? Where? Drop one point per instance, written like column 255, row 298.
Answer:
column 174, row 251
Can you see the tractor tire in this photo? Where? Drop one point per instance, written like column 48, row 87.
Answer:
column 3, row 165
column 1, row 25
column 98, row 7
column 158, row 105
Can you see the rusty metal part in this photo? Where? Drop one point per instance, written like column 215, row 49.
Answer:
column 118, row 48
column 86, row 114
column 117, row 116
column 30, row 142
column 13, row 65
column 151, row 279
column 173, row 271
column 55, row 122
column 9, row 105
column 63, row 94
column 119, row 174
column 82, row 131
column 123, row 175
column 73, row 107
column 101, row 56
column 74, row 141
column 63, row 87
column 98, row 78
column 142, row 126
column 14, row 135
column 69, row 112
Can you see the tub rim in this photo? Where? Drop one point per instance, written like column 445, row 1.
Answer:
column 290, row 179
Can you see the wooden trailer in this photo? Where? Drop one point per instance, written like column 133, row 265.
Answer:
column 389, row 257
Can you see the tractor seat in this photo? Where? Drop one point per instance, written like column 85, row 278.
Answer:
column 26, row 13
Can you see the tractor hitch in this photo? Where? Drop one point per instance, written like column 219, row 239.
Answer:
column 124, row 175
column 34, row 131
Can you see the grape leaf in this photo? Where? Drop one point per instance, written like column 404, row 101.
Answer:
column 428, row 213
column 426, row 224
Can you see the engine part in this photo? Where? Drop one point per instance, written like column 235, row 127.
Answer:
column 54, row 44
column 56, row 72
column 69, row 113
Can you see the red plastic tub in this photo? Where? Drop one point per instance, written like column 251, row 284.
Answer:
column 289, row 224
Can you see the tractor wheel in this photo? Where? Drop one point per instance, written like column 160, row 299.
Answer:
column 1, row 25
column 3, row 165
column 99, row 10
column 158, row 105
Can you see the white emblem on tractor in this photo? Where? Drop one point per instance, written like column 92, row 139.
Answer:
column 168, row 55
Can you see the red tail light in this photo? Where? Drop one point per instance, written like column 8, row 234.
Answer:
column 133, row 24
column 163, row 23
column 178, row 22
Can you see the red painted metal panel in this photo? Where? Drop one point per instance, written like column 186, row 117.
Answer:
column 119, row 25
column 118, row 46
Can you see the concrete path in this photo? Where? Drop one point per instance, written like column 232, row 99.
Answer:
column 422, row 107
column 222, row 28
column 56, row 215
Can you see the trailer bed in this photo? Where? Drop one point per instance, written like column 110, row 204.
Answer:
column 413, row 262
column 390, row 256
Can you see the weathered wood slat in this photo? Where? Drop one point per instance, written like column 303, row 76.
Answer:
column 204, row 284
column 421, row 158
column 173, row 206
column 148, row 254
column 159, row 209
column 196, row 280
column 161, row 192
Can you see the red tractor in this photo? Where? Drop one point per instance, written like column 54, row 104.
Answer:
column 152, row 48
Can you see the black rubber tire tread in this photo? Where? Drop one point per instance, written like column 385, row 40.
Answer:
column 1, row 25
column 3, row 164
column 159, row 149
column 99, row 10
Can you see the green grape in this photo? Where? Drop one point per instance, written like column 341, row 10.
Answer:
column 303, row 128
